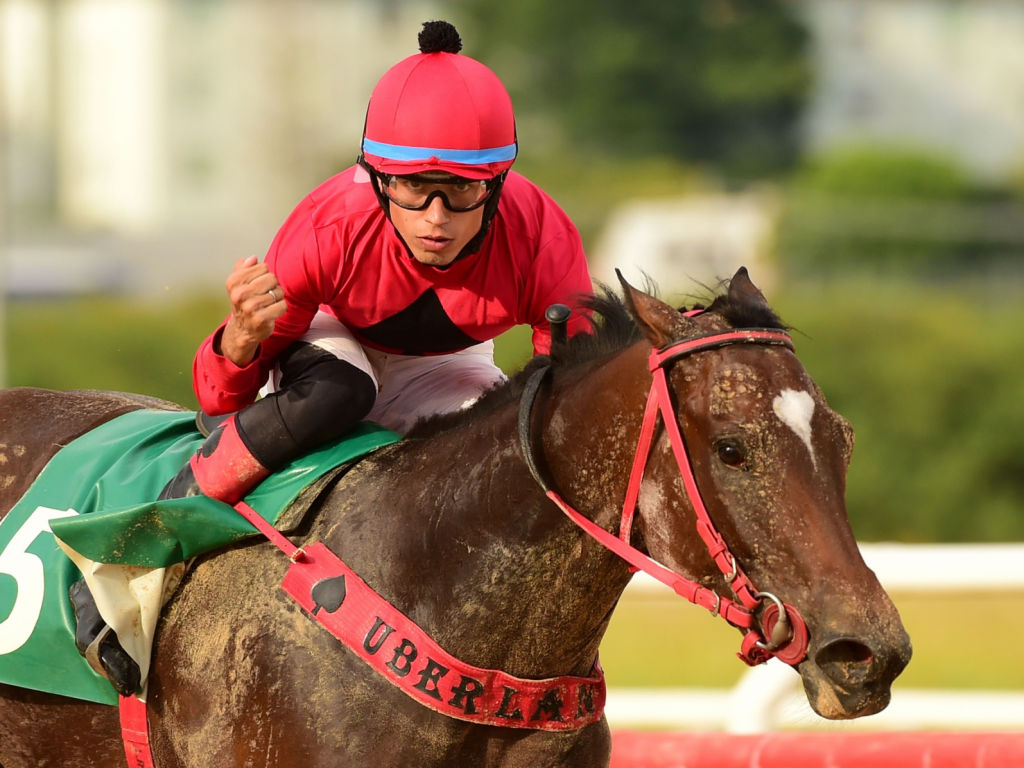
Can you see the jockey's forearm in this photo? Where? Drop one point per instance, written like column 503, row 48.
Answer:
column 236, row 345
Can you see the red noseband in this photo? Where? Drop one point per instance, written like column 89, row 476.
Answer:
column 782, row 632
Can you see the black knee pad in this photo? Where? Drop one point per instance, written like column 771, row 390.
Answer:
column 320, row 398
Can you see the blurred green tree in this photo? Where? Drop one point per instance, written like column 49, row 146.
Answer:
column 930, row 379
column 883, row 171
column 895, row 209
column 718, row 82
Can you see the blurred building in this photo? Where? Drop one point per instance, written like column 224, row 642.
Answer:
column 942, row 75
column 687, row 245
column 154, row 141
column 946, row 74
column 150, row 143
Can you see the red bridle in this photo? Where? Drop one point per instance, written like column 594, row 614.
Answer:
column 782, row 632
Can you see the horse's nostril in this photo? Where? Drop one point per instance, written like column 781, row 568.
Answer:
column 845, row 651
column 847, row 661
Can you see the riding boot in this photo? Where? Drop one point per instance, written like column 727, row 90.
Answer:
column 98, row 643
column 223, row 468
column 320, row 398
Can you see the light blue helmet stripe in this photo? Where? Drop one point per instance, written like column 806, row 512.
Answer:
column 464, row 156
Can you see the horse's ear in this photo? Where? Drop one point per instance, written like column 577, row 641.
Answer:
column 743, row 291
column 660, row 323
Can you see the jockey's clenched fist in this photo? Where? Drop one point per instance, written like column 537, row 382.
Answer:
column 256, row 303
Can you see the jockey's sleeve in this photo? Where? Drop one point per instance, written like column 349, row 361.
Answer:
column 559, row 276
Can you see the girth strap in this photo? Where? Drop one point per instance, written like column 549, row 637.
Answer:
column 135, row 733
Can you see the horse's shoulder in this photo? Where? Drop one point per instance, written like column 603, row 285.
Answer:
column 36, row 423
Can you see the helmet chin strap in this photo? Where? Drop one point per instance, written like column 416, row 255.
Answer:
column 475, row 243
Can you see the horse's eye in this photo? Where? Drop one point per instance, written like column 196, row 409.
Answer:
column 731, row 455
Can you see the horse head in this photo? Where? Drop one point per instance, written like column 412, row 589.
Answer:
column 769, row 458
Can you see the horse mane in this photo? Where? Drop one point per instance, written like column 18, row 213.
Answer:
column 613, row 329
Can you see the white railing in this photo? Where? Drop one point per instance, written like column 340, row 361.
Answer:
column 769, row 697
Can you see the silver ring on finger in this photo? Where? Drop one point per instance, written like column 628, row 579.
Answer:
column 271, row 292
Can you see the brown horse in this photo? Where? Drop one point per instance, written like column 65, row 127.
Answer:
column 451, row 528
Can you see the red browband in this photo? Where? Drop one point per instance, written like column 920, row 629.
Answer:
column 782, row 632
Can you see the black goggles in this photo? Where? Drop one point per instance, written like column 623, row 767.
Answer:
column 417, row 192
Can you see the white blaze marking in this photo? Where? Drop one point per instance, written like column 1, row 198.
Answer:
column 795, row 410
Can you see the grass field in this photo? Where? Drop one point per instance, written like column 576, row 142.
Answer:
column 961, row 641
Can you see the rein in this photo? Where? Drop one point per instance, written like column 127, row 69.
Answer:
column 782, row 632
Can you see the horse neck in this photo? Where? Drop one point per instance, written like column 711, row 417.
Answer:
column 496, row 573
column 592, row 430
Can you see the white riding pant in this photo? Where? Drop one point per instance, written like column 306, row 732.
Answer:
column 409, row 387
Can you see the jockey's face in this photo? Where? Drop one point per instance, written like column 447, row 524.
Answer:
column 436, row 235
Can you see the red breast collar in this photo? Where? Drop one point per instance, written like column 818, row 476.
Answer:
column 389, row 641
column 396, row 647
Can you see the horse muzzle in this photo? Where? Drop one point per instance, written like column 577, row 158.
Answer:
column 847, row 677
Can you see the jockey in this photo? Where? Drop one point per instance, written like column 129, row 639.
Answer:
column 382, row 292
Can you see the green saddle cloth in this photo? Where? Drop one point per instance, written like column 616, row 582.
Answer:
column 97, row 495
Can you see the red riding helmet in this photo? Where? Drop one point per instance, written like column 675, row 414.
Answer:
column 440, row 111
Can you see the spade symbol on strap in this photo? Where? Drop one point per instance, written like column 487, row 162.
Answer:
column 329, row 594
